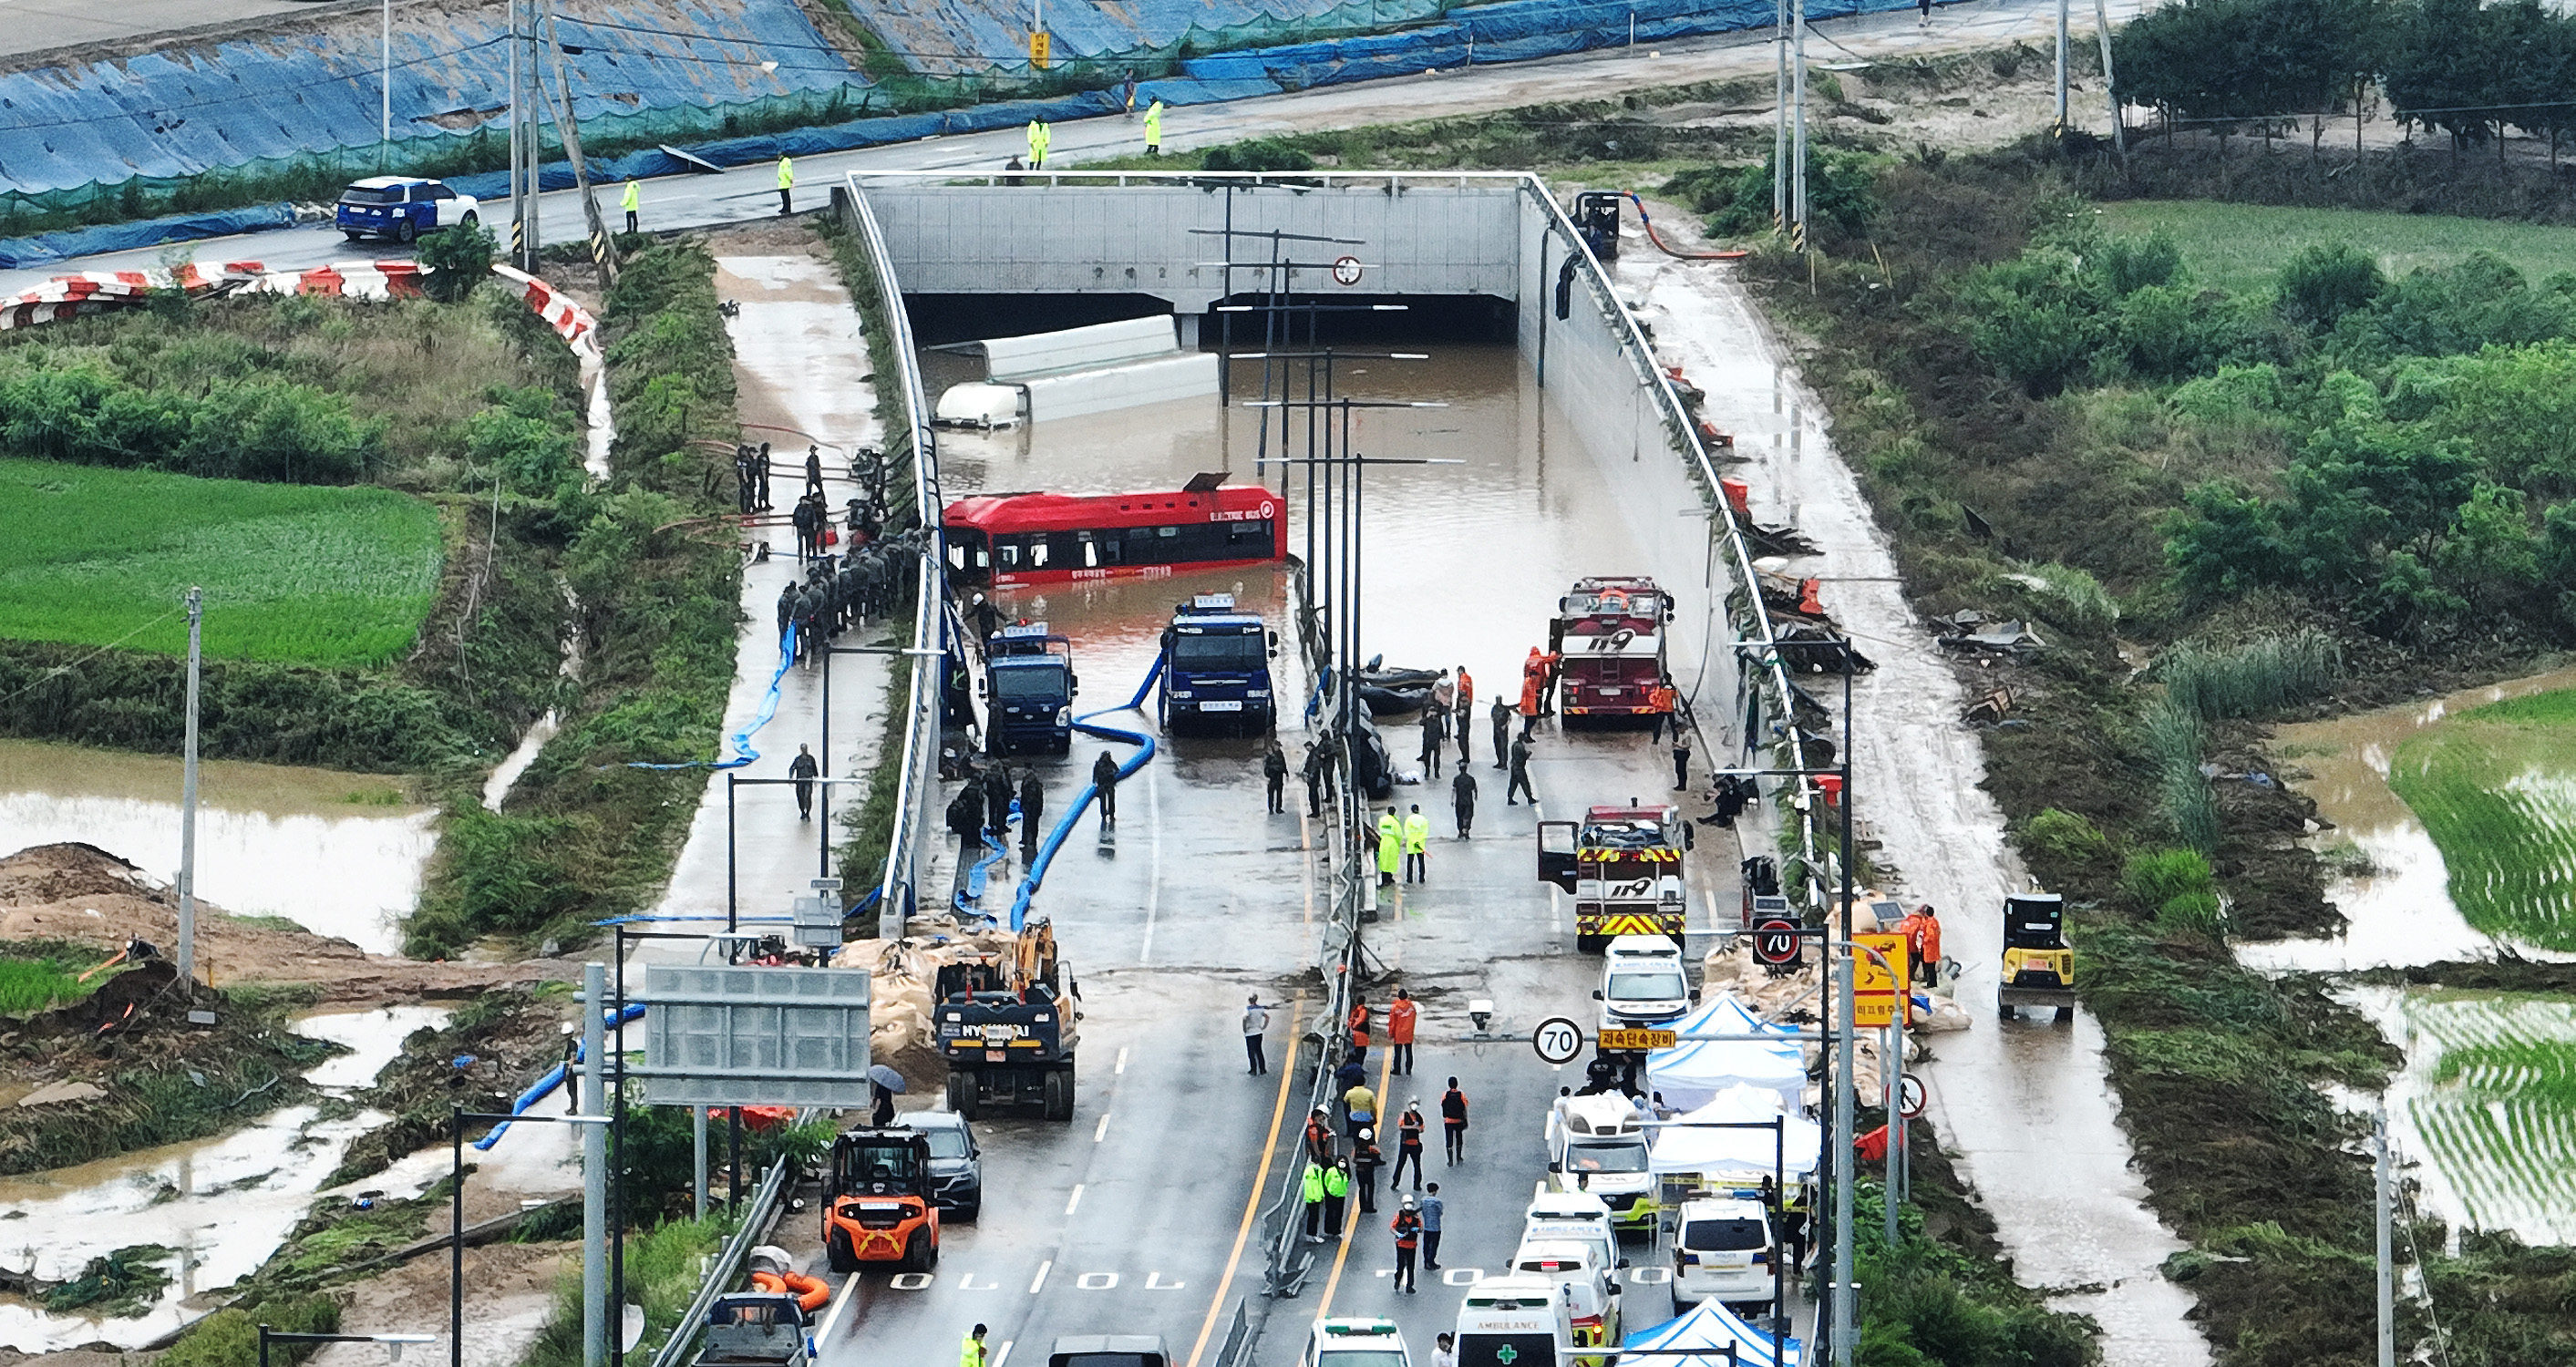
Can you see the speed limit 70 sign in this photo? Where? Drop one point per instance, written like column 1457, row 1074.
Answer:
column 1557, row 1040
column 1776, row 941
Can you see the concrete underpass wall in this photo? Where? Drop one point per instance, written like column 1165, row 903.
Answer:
column 1461, row 237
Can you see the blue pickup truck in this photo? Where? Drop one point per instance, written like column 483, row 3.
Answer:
column 1216, row 669
column 1028, row 691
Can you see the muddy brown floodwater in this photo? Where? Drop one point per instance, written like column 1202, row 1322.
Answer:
column 337, row 853
column 2399, row 910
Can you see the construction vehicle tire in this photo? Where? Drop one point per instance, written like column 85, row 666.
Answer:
column 837, row 1249
column 1058, row 1092
column 961, row 1093
column 2065, row 1014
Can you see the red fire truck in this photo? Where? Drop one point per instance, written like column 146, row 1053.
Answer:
column 1624, row 867
column 1609, row 639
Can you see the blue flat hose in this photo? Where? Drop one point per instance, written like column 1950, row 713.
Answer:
column 1082, row 800
column 974, row 889
column 554, row 1078
column 740, row 741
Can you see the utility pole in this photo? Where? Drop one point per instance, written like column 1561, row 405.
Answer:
column 2387, row 1249
column 188, row 797
column 385, row 131
column 517, row 208
column 2110, row 85
column 1780, row 117
column 2060, row 129
column 1839, row 1295
column 1798, row 92
column 595, row 1327
column 602, row 252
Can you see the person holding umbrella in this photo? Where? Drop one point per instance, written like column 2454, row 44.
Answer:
column 888, row 1085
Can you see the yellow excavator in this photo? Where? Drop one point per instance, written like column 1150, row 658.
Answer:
column 2039, row 967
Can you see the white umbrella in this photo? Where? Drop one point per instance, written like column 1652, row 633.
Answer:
column 886, row 1077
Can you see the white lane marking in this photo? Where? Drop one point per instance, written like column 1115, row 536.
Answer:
column 1101, row 1130
column 1004, row 1355
column 1076, row 1200
column 1462, row 1276
column 1040, row 1279
column 840, row 1302
column 1097, row 1281
column 1154, row 864
column 1657, row 1276
column 911, row 1281
column 1154, row 1282
column 1122, row 1062
column 966, row 1282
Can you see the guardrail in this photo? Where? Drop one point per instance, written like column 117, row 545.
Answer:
column 896, row 888
column 728, row 1265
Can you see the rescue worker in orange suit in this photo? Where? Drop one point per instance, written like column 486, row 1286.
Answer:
column 1399, row 1032
column 1922, row 932
column 1466, row 712
column 1408, row 1146
column 1533, row 679
column 1407, row 1225
column 1319, row 1136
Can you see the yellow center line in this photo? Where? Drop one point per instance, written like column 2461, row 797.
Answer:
column 1252, row 1203
column 1350, row 1216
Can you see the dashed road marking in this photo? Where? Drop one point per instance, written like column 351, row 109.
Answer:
column 1100, row 1131
column 1122, row 1062
column 1040, row 1280
column 1004, row 1355
column 1074, row 1201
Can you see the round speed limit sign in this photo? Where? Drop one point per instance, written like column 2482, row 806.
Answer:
column 1557, row 1040
column 1346, row 270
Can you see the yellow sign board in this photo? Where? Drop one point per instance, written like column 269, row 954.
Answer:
column 1876, row 990
column 1038, row 49
column 1637, row 1039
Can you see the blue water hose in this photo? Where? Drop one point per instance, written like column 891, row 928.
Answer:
column 740, row 741
column 1082, row 800
column 974, row 889
column 538, row 1090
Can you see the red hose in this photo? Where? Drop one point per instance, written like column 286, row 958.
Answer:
column 1735, row 254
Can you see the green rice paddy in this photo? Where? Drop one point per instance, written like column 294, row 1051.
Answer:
column 2496, row 790
column 2493, row 1101
column 292, row 573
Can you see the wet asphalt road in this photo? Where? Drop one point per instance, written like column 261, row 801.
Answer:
column 1200, row 897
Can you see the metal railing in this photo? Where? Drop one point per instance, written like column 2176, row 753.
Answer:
column 1303, row 180
column 728, row 1264
column 921, row 733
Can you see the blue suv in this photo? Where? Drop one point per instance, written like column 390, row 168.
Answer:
column 403, row 207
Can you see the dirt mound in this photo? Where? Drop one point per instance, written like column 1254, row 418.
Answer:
column 899, row 994
column 81, row 894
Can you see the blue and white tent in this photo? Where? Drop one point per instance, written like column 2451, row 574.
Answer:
column 1692, row 1073
column 1700, row 1339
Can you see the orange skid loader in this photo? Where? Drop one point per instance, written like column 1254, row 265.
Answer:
column 880, row 1209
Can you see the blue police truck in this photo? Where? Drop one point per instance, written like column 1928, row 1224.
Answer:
column 1028, row 691
column 1216, row 669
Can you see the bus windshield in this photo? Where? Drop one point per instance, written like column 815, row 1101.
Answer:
column 1241, row 652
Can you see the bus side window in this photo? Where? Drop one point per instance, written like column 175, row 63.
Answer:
column 1038, row 551
column 1008, row 554
column 1090, row 550
column 1236, row 533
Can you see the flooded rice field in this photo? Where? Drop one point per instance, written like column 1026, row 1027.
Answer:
column 222, row 1205
column 340, row 854
column 2486, row 1104
column 2395, row 890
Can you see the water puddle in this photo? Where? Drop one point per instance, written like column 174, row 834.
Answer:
column 2482, row 1105
column 2399, row 911
column 338, row 853
column 224, row 1203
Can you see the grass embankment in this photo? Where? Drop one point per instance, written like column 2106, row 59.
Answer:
column 585, row 835
column 2496, row 789
column 300, row 575
column 320, row 650
column 2241, row 247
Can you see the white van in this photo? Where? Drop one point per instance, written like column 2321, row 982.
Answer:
column 1513, row 1321
column 1722, row 1251
column 1642, row 983
column 1597, row 1144
column 1591, row 1286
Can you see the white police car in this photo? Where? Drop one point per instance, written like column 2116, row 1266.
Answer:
column 1356, row 1343
column 403, row 207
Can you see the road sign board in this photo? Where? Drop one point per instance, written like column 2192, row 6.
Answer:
column 1557, row 1040
column 1637, row 1039
column 720, row 1035
column 1911, row 1096
column 1776, row 940
column 1346, row 270
column 1040, row 48
column 1875, row 990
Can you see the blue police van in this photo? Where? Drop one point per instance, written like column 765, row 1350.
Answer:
column 1028, row 691
column 1216, row 669
column 403, row 207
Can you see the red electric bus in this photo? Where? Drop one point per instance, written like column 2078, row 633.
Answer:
column 1013, row 540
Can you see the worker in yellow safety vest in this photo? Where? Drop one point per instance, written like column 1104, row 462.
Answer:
column 634, row 201
column 786, row 185
column 972, row 1353
column 1390, row 847
column 1154, row 129
column 1039, row 136
column 1417, row 845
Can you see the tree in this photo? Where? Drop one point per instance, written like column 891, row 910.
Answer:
column 2444, row 69
column 456, row 260
column 2322, row 284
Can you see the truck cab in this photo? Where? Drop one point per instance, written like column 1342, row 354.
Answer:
column 1028, row 691
column 1597, row 1145
column 1608, row 635
column 1008, row 1029
column 1643, row 983
column 1216, row 669
column 1625, row 869
column 879, row 1207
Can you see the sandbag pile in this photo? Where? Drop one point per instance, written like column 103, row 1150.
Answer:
column 903, row 973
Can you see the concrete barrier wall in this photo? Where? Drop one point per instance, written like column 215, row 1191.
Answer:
column 1422, row 237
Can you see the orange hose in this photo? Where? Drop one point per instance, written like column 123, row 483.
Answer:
column 813, row 1293
column 1736, row 254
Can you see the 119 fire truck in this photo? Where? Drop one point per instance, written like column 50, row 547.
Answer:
column 1608, row 635
column 1624, row 867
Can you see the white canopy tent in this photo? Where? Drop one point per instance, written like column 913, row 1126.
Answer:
column 1684, row 1147
column 1692, row 1073
column 1700, row 1339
